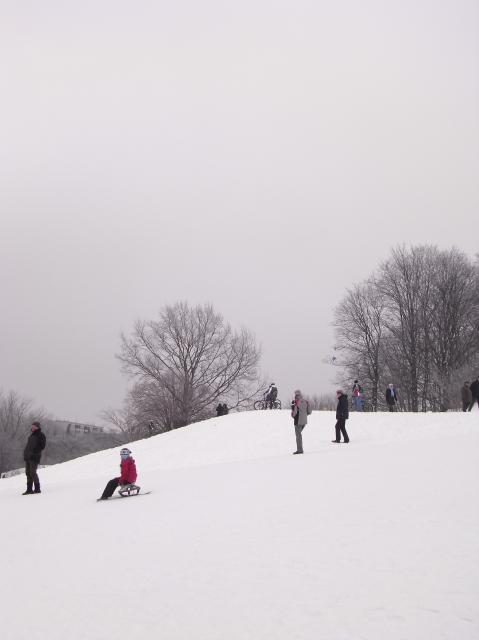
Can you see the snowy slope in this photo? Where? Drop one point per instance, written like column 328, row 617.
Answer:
column 373, row 540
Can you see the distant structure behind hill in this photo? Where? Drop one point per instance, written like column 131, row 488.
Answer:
column 77, row 428
column 67, row 439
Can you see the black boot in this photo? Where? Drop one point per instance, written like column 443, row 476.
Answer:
column 27, row 492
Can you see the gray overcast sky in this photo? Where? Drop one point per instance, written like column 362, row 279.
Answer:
column 262, row 156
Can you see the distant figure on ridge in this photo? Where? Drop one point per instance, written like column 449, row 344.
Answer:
column 300, row 410
column 342, row 414
column 151, row 427
column 475, row 392
column 271, row 396
column 127, row 476
column 32, row 455
column 391, row 396
column 358, row 396
column 219, row 410
column 466, row 397
column 225, row 409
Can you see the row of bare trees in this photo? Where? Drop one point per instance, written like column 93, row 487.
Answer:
column 16, row 416
column 414, row 322
column 181, row 364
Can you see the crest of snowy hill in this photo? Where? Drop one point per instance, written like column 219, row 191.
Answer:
column 240, row 540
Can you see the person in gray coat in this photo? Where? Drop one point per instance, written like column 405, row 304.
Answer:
column 300, row 410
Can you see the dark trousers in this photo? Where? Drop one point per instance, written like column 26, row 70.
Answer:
column 32, row 476
column 298, row 429
column 474, row 400
column 109, row 490
column 391, row 406
column 466, row 406
column 341, row 429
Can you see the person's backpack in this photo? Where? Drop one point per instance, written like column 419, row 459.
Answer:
column 308, row 408
column 42, row 441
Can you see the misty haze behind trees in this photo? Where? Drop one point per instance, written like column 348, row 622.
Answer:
column 415, row 323
column 16, row 417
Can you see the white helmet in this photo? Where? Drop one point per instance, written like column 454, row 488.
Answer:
column 125, row 453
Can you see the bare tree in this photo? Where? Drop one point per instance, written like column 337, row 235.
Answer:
column 452, row 321
column 359, row 325
column 405, row 286
column 127, row 423
column 148, row 407
column 185, row 361
column 415, row 323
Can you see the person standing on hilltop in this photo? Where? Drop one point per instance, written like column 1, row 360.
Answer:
column 300, row 410
column 391, row 397
column 475, row 392
column 342, row 414
column 466, row 397
column 32, row 454
column 358, row 396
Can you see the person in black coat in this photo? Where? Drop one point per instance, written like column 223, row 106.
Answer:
column 32, row 454
column 466, row 397
column 342, row 414
column 391, row 396
column 271, row 396
column 475, row 392
column 219, row 410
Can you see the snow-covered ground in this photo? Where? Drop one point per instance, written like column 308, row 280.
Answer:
column 375, row 540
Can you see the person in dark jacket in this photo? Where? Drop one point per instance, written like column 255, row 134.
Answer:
column 391, row 396
column 219, row 410
column 225, row 409
column 342, row 414
column 271, row 396
column 151, row 428
column 475, row 392
column 127, row 476
column 466, row 397
column 32, row 455
column 358, row 396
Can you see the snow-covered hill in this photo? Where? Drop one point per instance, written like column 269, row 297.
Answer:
column 375, row 540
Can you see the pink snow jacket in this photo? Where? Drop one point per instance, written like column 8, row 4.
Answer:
column 128, row 471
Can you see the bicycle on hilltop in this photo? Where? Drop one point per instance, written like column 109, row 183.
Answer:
column 269, row 399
